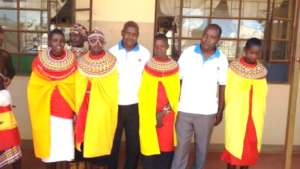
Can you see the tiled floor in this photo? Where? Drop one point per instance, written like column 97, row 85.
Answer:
column 266, row 161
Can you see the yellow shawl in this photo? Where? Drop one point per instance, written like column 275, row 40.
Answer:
column 102, row 113
column 147, row 108
column 39, row 98
column 237, row 110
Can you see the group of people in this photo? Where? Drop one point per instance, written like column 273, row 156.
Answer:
column 81, row 99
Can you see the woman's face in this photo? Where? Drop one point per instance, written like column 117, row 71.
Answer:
column 160, row 48
column 252, row 53
column 57, row 44
column 96, row 44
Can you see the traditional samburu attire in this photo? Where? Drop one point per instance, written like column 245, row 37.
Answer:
column 79, row 29
column 245, row 99
column 96, row 104
column 10, row 150
column 160, row 86
column 51, row 97
column 78, row 52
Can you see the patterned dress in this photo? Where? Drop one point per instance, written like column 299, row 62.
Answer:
column 10, row 150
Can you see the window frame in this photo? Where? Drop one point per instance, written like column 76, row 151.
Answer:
column 268, row 36
column 19, row 30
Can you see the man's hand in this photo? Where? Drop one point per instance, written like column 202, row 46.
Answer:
column 159, row 119
column 219, row 117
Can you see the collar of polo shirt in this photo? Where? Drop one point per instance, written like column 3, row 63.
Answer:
column 198, row 50
column 135, row 49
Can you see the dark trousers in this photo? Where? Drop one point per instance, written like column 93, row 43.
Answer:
column 161, row 161
column 128, row 118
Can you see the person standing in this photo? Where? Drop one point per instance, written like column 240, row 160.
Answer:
column 245, row 99
column 158, row 103
column 203, row 70
column 96, row 90
column 131, row 59
column 51, row 101
column 10, row 150
column 78, row 35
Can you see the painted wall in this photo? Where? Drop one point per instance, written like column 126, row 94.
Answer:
column 109, row 16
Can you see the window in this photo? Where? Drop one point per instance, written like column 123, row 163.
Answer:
column 183, row 22
column 27, row 22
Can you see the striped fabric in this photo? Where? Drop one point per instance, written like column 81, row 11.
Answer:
column 10, row 156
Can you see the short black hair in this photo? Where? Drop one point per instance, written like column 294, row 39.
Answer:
column 6, row 65
column 253, row 42
column 215, row 26
column 163, row 37
column 131, row 24
column 55, row 31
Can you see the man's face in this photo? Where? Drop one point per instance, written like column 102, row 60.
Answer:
column 57, row 43
column 210, row 38
column 130, row 36
column 1, row 39
column 76, row 39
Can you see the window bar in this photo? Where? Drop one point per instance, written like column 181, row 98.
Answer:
column 18, row 37
column 268, row 34
column 49, row 13
column 290, row 27
column 91, row 15
column 271, row 30
column 210, row 11
column 238, row 29
column 180, row 26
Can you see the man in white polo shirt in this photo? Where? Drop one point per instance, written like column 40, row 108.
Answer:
column 131, row 59
column 203, row 70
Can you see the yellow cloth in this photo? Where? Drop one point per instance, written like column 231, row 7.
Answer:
column 147, row 108
column 8, row 121
column 39, row 91
column 102, row 112
column 237, row 94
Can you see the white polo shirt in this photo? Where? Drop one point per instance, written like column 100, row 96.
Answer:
column 130, row 65
column 200, row 80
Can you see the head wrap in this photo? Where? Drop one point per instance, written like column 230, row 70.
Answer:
column 96, row 34
column 78, row 28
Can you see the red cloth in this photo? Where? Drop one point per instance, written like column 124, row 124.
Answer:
column 59, row 107
column 100, row 55
column 82, row 116
column 243, row 62
column 9, row 138
column 250, row 152
column 4, row 109
column 165, row 133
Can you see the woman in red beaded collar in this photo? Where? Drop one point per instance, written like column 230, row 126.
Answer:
column 78, row 37
column 96, row 90
column 51, row 101
column 245, row 100
column 158, row 100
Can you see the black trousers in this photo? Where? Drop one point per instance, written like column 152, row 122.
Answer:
column 161, row 161
column 128, row 118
